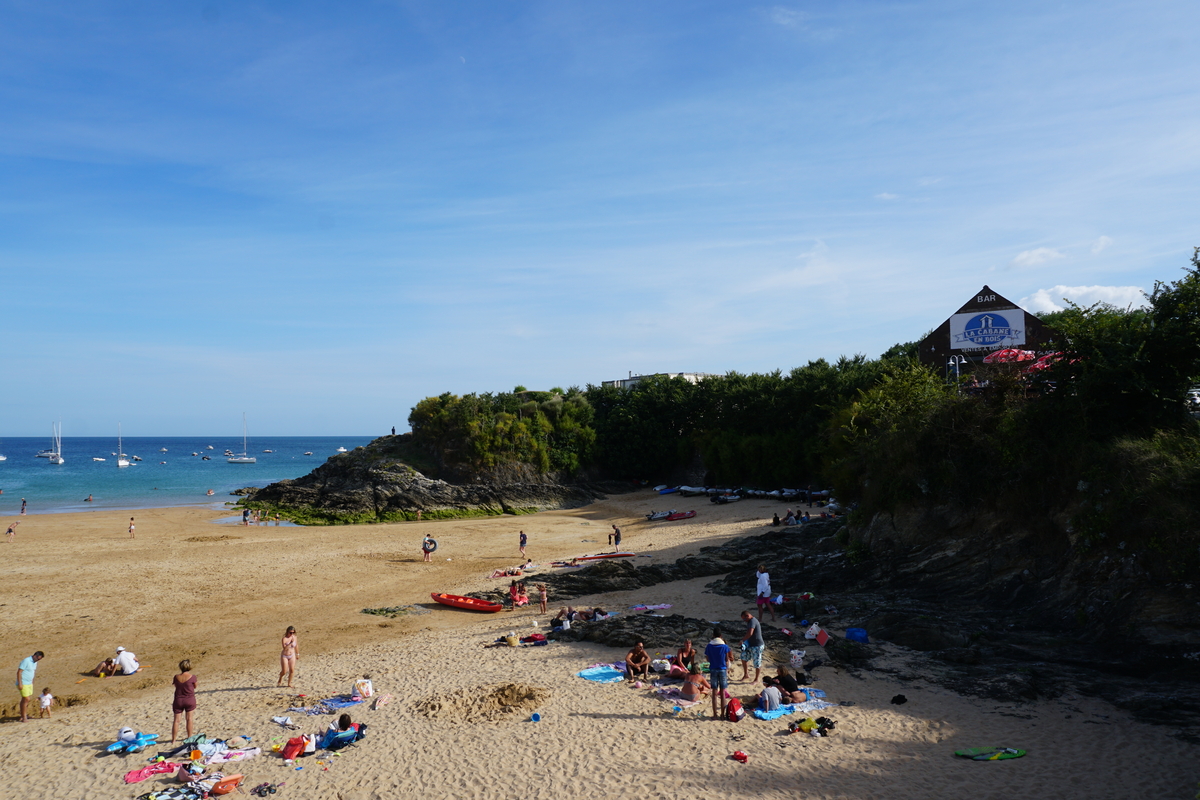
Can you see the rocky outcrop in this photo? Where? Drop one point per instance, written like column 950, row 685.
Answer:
column 375, row 484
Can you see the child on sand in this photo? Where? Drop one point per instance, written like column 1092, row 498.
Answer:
column 47, row 700
column 541, row 588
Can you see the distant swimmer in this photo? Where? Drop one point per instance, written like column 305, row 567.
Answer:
column 89, row 499
column 210, row 493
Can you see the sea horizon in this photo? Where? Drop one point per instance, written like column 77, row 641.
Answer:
column 172, row 471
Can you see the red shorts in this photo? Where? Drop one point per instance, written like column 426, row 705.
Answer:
column 762, row 601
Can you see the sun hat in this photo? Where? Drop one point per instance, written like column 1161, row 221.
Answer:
column 120, row 649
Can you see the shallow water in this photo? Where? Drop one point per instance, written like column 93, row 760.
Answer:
column 161, row 479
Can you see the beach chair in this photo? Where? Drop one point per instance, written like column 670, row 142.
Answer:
column 336, row 740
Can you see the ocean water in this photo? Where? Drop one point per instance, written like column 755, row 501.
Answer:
column 161, row 479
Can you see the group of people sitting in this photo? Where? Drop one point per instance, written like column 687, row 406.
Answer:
column 518, row 593
column 572, row 614
column 123, row 663
column 790, row 518
column 779, row 690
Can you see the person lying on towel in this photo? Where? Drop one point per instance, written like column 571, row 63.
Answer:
column 789, row 687
column 637, row 662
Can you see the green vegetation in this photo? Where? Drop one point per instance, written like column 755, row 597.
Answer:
column 550, row 431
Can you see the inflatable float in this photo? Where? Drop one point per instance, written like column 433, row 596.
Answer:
column 654, row 516
column 130, row 742
column 469, row 603
column 680, row 515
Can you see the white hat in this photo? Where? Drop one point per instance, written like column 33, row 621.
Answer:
column 120, row 649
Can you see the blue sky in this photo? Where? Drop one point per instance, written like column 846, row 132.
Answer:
column 319, row 213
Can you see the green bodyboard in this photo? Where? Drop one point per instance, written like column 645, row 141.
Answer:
column 989, row 753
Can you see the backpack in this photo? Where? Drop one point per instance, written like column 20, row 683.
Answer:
column 734, row 711
column 293, row 748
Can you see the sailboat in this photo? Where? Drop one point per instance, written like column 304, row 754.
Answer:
column 3, row 457
column 55, row 455
column 122, row 460
column 243, row 458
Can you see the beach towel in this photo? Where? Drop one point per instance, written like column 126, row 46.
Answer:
column 602, row 674
column 226, row 756
column 173, row 793
column 341, row 701
column 792, row 708
column 157, row 768
column 644, row 607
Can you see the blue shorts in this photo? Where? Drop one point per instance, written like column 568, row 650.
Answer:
column 718, row 678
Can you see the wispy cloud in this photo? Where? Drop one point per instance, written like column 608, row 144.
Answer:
column 1043, row 301
column 1040, row 255
column 887, row 196
column 787, row 17
column 1100, row 244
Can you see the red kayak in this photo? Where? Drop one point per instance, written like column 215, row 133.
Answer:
column 681, row 515
column 470, row 603
column 606, row 555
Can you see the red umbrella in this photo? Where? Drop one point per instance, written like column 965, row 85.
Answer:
column 1045, row 362
column 1008, row 355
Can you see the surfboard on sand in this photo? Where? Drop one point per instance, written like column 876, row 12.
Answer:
column 989, row 753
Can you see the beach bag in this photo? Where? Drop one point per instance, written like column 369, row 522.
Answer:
column 363, row 688
column 812, row 631
column 797, row 659
column 310, row 744
column 660, row 665
column 294, row 747
column 734, row 711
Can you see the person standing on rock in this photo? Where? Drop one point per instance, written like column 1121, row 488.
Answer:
column 524, row 541
column 763, row 592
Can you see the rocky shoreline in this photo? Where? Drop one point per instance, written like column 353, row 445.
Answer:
column 972, row 647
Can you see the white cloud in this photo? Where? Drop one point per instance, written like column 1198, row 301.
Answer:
column 1043, row 301
column 1031, row 258
column 787, row 17
column 886, row 196
column 1100, row 244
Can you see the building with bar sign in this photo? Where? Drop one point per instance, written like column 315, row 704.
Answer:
column 986, row 323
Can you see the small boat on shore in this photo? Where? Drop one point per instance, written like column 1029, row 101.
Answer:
column 469, row 603
column 655, row 516
column 680, row 515
column 599, row 556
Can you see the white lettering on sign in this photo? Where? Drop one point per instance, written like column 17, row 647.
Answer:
column 986, row 298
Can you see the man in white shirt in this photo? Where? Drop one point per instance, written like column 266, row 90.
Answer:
column 127, row 662
column 763, row 593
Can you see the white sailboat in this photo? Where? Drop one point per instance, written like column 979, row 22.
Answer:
column 3, row 457
column 243, row 458
column 55, row 455
column 122, row 460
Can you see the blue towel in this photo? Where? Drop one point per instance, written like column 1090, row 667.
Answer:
column 602, row 675
column 776, row 714
column 341, row 701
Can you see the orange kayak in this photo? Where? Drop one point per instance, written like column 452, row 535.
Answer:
column 470, row 603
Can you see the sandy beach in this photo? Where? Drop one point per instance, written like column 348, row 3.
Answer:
column 77, row 587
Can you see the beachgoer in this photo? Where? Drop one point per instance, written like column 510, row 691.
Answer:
column 637, row 661
column 616, row 539
column 524, row 541
column 184, row 701
column 276, row 519
column 88, row 499
column 22, row 506
column 695, row 685
column 418, row 515
column 752, row 646
column 209, row 492
column 789, row 520
column 769, row 699
column 127, row 663
column 764, row 592
column 599, row 614
column 513, row 593
column 287, row 658
column 686, row 657
column 105, row 668
column 616, row 532
column 12, row 530
column 805, row 518
column 522, row 594
column 527, row 565
column 719, row 656
column 343, row 724
column 393, row 430
column 47, row 700
column 788, row 686
column 245, row 516
column 427, row 547
column 541, row 589
column 131, row 536
column 25, row 673
column 775, row 520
